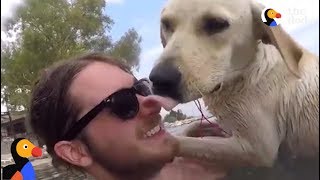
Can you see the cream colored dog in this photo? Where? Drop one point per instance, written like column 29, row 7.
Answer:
column 260, row 84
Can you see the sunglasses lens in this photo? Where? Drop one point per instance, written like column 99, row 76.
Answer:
column 125, row 104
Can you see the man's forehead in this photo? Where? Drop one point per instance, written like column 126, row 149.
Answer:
column 97, row 81
column 106, row 72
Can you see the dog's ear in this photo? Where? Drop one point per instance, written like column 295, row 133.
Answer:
column 163, row 41
column 290, row 51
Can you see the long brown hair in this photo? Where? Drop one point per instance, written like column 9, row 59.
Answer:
column 51, row 107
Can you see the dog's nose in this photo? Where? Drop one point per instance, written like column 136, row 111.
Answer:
column 165, row 80
column 165, row 75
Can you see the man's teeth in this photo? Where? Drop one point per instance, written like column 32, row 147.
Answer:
column 153, row 131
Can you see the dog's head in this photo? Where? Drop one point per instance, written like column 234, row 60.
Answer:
column 208, row 42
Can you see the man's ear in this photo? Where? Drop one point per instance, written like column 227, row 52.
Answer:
column 74, row 152
column 290, row 51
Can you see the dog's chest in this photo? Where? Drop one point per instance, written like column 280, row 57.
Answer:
column 235, row 105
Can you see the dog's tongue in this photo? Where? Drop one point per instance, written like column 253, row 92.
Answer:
column 166, row 102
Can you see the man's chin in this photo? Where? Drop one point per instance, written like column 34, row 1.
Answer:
column 162, row 153
column 161, row 156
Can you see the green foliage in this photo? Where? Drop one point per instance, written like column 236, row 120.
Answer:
column 169, row 119
column 48, row 31
column 128, row 45
column 175, row 116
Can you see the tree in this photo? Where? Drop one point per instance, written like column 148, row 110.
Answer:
column 169, row 119
column 174, row 116
column 48, row 31
column 128, row 48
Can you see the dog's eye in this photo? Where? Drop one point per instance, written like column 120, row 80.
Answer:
column 214, row 25
column 166, row 25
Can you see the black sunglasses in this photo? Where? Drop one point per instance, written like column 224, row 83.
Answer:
column 122, row 103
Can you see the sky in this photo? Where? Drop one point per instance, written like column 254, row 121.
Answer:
column 299, row 18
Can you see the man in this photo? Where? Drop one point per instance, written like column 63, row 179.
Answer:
column 93, row 115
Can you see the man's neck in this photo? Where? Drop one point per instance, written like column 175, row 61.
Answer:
column 100, row 173
column 142, row 175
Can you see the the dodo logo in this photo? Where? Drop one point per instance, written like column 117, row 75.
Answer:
column 21, row 150
column 270, row 17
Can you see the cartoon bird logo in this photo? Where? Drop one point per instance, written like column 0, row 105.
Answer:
column 21, row 150
column 269, row 15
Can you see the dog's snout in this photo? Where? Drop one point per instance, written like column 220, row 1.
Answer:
column 166, row 80
column 165, row 75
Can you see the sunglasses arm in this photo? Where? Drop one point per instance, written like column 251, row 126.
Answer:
column 84, row 121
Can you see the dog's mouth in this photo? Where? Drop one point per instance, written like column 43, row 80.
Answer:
column 207, row 130
column 217, row 88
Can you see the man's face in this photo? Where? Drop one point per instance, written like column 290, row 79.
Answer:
column 114, row 143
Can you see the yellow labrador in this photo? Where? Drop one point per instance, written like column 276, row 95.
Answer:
column 260, row 84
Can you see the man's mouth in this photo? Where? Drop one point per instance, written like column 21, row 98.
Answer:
column 155, row 130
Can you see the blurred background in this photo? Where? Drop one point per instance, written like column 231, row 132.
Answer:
column 36, row 33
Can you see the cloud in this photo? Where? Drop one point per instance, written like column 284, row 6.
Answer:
column 152, row 53
column 11, row 35
column 115, row 1
column 147, row 60
column 308, row 36
column 8, row 9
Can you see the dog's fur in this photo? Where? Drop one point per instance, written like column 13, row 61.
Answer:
column 269, row 94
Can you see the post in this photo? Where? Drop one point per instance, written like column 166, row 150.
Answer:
column 10, row 118
column 11, row 125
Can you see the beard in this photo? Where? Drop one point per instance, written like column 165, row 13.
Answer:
column 138, row 170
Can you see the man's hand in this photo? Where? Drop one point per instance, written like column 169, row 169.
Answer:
column 193, row 169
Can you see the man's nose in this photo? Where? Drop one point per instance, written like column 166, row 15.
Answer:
column 165, row 79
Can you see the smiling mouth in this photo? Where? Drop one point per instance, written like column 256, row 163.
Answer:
column 155, row 130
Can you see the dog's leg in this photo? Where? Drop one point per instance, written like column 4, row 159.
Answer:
column 217, row 149
column 231, row 152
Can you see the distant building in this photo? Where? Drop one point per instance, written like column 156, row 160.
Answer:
column 15, row 127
